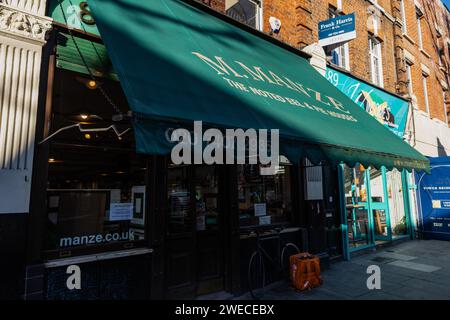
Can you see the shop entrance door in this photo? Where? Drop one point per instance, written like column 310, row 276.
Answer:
column 194, row 237
column 359, row 224
column 377, row 205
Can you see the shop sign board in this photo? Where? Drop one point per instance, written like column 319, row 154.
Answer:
column 434, row 199
column 389, row 110
column 337, row 30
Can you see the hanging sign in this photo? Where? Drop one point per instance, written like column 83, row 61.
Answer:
column 337, row 30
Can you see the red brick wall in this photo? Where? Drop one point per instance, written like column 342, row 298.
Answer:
column 429, row 56
column 300, row 19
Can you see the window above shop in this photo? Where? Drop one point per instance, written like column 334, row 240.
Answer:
column 248, row 12
column 376, row 62
column 337, row 54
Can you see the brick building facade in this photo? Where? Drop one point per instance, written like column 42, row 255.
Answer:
column 413, row 66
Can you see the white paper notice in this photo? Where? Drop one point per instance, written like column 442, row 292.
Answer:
column 120, row 211
column 260, row 209
column 265, row 220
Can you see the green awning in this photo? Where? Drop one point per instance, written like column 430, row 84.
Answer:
column 179, row 61
column 94, row 54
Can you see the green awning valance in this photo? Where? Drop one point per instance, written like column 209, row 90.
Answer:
column 94, row 55
column 178, row 62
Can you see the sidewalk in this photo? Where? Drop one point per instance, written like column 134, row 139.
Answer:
column 409, row 270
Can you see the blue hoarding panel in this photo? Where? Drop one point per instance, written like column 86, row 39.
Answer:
column 434, row 199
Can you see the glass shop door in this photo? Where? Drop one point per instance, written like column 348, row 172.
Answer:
column 359, row 224
column 377, row 204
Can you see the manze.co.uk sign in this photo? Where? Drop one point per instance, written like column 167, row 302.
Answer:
column 337, row 30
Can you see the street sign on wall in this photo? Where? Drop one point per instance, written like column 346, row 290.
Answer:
column 434, row 200
column 337, row 30
column 388, row 109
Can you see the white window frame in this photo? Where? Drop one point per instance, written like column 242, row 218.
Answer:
column 343, row 50
column 259, row 14
column 403, row 13
column 409, row 75
column 419, row 29
column 375, row 53
column 445, row 107
column 425, row 93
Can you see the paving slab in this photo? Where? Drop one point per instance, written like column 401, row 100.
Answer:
column 409, row 270
column 415, row 266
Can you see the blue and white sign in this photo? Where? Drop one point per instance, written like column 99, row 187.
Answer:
column 434, row 199
column 337, row 30
column 388, row 109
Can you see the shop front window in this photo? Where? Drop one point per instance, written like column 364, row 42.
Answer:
column 264, row 200
column 179, row 200
column 206, row 198
column 396, row 203
column 96, row 189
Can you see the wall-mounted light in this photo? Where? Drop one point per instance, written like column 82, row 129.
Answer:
column 87, row 136
column 92, row 84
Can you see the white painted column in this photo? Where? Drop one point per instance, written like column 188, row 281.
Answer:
column 318, row 57
column 23, row 28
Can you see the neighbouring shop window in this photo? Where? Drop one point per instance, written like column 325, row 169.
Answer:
column 245, row 11
column 337, row 54
column 96, row 189
column 355, row 188
column 264, row 200
column 396, row 203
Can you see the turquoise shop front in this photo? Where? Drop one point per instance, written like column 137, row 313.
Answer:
column 375, row 206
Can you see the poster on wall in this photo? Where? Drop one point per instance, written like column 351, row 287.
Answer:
column 434, row 199
column 388, row 109
column 120, row 211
